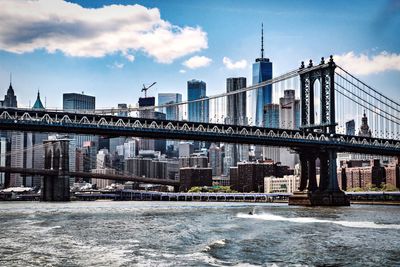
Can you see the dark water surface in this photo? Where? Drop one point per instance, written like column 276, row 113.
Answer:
column 196, row 234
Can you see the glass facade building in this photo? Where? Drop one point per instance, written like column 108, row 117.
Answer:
column 262, row 71
column 73, row 101
column 197, row 111
column 173, row 112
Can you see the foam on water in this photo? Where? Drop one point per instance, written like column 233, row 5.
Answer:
column 354, row 224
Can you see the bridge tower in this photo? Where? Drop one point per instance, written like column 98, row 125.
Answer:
column 56, row 188
column 327, row 192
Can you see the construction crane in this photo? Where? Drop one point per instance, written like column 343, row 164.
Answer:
column 144, row 89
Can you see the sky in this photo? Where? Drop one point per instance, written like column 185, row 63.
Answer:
column 109, row 49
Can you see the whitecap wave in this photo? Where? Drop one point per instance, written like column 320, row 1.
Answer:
column 354, row 224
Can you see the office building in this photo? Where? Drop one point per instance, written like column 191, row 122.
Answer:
column 80, row 102
column 185, row 149
column 262, row 71
column 149, row 113
column 289, row 118
column 194, row 161
column 271, row 120
column 123, row 110
column 236, row 115
column 172, row 112
column 102, row 183
column 285, row 184
column 73, row 101
column 197, row 111
column 350, row 127
column 215, row 159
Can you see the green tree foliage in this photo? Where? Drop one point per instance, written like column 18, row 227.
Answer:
column 214, row 189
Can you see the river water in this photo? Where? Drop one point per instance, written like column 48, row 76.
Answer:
column 196, row 234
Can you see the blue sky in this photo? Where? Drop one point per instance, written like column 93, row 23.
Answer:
column 41, row 52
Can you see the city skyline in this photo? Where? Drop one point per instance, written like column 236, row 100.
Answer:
column 61, row 71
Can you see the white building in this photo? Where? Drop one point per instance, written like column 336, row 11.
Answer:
column 215, row 159
column 287, row 184
column 185, row 149
column 3, row 151
column 102, row 183
column 289, row 118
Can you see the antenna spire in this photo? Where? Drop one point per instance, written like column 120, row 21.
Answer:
column 10, row 78
column 262, row 40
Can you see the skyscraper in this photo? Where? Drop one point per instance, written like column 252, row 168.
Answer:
column 73, row 101
column 197, row 111
column 351, row 127
column 271, row 120
column 173, row 112
column 151, row 144
column 271, row 115
column 364, row 128
column 262, row 71
column 76, row 102
column 236, row 114
column 236, row 105
column 289, row 110
column 10, row 99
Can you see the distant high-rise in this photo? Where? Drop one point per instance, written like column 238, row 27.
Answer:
column 271, row 120
column 10, row 99
column 351, row 127
column 197, row 111
column 122, row 113
column 289, row 118
column 236, row 104
column 262, row 71
column 271, row 115
column 364, row 128
column 149, row 113
column 235, row 114
column 73, row 101
column 215, row 159
column 289, row 113
column 173, row 112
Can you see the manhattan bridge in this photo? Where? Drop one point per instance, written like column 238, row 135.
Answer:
column 329, row 96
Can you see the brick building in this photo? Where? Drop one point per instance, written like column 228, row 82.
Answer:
column 249, row 176
column 361, row 173
column 190, row 177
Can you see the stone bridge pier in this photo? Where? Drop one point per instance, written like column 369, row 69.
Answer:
column 56, row 187
column 327, row 191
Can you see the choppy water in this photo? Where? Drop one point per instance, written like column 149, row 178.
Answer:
column 196, row 234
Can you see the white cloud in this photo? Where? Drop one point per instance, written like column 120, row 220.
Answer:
column 130, row 57
column 56, row 25
column 364, row 64
column 182, row 71
column 116, row 65
column 240, row 64
column 197, row 62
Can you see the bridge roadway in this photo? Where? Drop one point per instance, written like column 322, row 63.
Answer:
column 117, row 177
column 15, row 119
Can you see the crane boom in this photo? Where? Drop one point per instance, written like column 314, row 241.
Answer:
column 144, row 89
